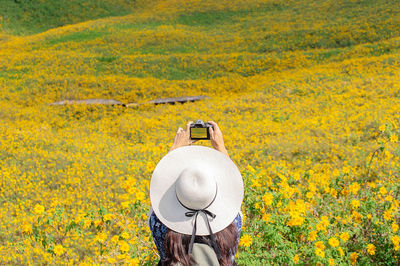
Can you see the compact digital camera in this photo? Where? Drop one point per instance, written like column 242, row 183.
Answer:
column 200, row 130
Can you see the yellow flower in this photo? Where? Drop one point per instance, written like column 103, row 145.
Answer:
column 97, row 222
column 296, row 259
column 346, row 169
column 344, row 236
column 140, row 195
column 101, row 237
column 357, row 216
column 26, row 227
column 268, row 199
column 382, row 128
column 387, row 215
column 371, row 249
column 353, row 257
column 111, row 260
column 125, row 235
column 123, row 246
column 244, row 218
column 312, row 235
column 333, row 242
column 394, row 138
column 250, row 168
column 266, row 217
column 325, row 221
column 86, row 223
column 354, row 188
column 122, row 256
column 115, row 239
column 133, row 241
column 320, row 227
column 38, row 209
column 396, row 242
column 246, row 241
column 125, row 204
column 331, row 262
column 319, row 253
column 395, row 227
column 296, row 176
column 108, row 217
column 58, row 250
column 296, row 220
column 355, row 203
column 255, row 183
column 341, row 252
column 320, row 245
column 134, row 262
column 383, row 190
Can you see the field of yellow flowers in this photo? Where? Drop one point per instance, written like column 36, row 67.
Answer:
column 307, row 94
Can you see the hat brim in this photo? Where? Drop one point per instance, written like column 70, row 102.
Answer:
column 228, row 200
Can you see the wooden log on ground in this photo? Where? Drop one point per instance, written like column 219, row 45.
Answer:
column 90, row 101
column 178, row 100
column 172, row 100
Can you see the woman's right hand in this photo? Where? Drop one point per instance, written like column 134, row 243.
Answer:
column 182, row 137
column 216, row 138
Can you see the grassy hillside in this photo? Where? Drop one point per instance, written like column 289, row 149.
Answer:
column 186, row 44
column 33, row 16
column 306, row 94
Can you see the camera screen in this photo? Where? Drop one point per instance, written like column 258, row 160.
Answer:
column 198, row 133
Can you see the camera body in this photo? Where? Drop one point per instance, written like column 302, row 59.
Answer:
column 200, row 130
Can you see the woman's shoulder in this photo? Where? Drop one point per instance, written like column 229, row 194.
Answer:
column 155, row 224
column 238, row 221
column 149, row 214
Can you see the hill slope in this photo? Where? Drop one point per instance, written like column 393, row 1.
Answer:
column 197, row 41
column 32, row 16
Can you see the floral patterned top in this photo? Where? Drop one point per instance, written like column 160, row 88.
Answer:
column 158, row 231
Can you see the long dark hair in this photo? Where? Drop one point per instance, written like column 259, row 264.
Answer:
column 176, row 246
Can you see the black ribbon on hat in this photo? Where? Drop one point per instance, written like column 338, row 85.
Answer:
column 207, row 213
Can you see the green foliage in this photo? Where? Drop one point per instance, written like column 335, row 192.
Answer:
column 76, row 37
column 212, row 18
column 33, row 16
column 275, row 242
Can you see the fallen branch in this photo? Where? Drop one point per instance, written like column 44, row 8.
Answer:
column 172, row 100
column 89, row 101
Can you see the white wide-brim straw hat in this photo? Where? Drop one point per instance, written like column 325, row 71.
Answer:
column 193, row 178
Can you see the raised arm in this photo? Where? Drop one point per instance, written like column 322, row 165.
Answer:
column 217, row 140
column 182, row 137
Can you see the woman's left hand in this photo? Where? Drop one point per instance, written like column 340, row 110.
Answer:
column 182, row 137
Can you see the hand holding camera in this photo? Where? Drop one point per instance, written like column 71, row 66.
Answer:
column 200, row 130
column 217, row 140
